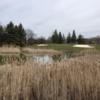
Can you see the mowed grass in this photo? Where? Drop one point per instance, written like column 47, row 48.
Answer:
column 60, row 47
column 48, row 48
column 64, row 47
column 97, row 47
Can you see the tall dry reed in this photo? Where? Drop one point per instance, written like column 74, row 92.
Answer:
column 73, row 79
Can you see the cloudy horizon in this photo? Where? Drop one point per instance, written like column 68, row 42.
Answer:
column 44, row 16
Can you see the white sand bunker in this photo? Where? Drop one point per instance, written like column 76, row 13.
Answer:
column 42, row 45
column 83, row 46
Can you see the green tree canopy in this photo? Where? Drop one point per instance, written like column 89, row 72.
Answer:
column 10, row 28
column 74, row 38
column 80, row 39
column 60, row 38
column 1, row 29
column 21, row 35
column 55, row 37
column 12, row 34
column 69, row 38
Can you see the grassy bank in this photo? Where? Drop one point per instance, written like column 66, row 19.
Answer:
column 27, row 50
column 97, row 47
column 72, row 79
column 49, row 49
column 61, row 47
column 64, row 47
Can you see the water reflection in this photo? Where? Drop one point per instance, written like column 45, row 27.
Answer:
column 38, row 58
column 50, row 59
column 43, row 58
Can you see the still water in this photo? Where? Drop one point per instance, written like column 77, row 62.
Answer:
column 38, row 58
column 50, row 59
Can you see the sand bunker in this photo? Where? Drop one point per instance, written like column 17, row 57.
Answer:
column 83, row 46
column 42, row 45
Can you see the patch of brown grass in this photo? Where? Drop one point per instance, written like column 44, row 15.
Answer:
column 16, row 50
column 73, row 79
column 41, row 51
column 9, row 50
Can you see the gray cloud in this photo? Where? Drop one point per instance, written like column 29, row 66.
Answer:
column 43, row 16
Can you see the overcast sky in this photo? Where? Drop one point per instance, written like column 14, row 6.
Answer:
column 43, row 16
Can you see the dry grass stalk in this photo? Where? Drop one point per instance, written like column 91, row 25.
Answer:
column 11, row 50
column 41, row 51
column 16, row 50
column 73, row 79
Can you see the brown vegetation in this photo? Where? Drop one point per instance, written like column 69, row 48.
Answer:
column 72, row 79
column 41, row 51
column 16, row 50
column 9, row 50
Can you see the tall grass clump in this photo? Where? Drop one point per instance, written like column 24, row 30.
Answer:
column 73, row 79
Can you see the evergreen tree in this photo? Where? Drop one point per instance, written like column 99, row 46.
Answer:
column 16, row 35
column 69, row 38
column 60, row 37
column 64, row 40
column 74, row 38
column 80, row 39
column 55, row 37
column 1, row 29
column 1, row 32
column 10, row 28
column 11, row 32
column 21, row 35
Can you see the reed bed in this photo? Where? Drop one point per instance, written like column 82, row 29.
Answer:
column 17, row 50
column 72, row 79
column 41, row 51
column 9, row 50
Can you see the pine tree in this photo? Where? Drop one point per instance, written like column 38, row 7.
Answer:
column 55, row 37
column 10, row 28
column 80, row 39
column 10, row 33
column 69, row 38
column 74, row 38
column 64, row 40
column 13, row 34
column 22, row 35
column 1, row 29
column 60, row 38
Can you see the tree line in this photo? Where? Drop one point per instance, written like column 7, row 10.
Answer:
column 58, row 37
column 12, row 34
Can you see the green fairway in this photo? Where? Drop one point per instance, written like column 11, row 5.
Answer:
column 63, row 47
column 60, row 47
column 97, row 47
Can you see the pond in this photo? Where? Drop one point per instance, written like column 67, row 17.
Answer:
column 50, row 59
column 38, row 58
